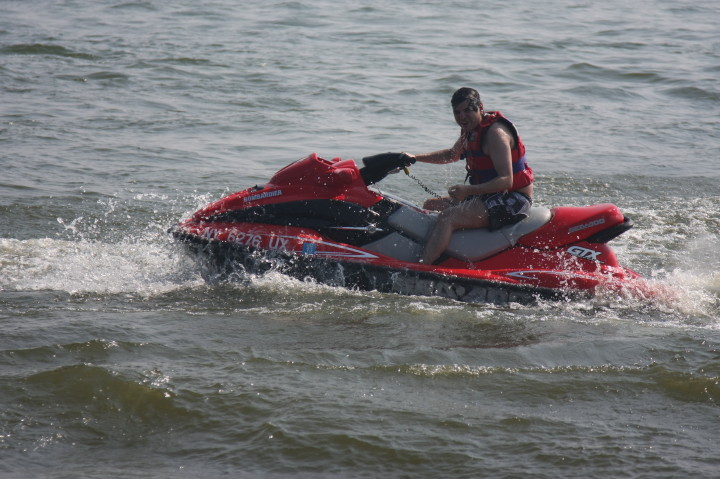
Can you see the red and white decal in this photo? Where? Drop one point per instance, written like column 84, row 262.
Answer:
column 308, row 245
column 330, row 250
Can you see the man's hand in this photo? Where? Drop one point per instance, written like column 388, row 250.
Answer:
column 459, row 192
column 406, row 159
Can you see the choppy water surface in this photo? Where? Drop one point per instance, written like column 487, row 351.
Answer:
column 118, row 360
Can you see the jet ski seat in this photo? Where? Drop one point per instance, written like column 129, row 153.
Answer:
column 468, row 245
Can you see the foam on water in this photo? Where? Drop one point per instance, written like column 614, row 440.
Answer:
column 153, row 267
column 95, row 254
column 93, row 267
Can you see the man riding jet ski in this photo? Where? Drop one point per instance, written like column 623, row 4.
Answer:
column 501, row 181
column 319, row 219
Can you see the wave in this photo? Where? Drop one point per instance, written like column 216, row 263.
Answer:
column 92, row 405
column 693, row 93
column 45, row 49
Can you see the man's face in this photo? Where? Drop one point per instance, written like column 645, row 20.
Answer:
column 466, row 117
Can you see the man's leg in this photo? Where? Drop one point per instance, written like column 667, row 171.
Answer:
column 468, row 214
column 439, row 204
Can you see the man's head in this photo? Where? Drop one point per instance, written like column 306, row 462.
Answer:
column 467, row 108
column 471, row 95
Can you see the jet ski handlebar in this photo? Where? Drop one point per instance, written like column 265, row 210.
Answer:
column 379, row 166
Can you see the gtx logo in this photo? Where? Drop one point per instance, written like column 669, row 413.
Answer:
column 584, row 253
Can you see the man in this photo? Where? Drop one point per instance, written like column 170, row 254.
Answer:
column 500, row 189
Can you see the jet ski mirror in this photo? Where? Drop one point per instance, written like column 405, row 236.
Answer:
column 379, row 166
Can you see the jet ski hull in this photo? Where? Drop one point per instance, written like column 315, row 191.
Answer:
column 222, row 261
column 317, row 219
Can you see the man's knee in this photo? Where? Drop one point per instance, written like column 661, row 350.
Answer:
column 460, row 217
column 451, row 218
column 429, row 203
column 437, row 204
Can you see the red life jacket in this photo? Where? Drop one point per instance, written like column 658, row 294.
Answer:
column 480, row 166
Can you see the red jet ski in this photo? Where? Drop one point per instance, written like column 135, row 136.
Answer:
column 319, row 219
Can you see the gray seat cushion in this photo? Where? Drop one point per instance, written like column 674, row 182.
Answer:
column 470, row 244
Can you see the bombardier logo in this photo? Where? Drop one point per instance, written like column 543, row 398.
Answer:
column 262, row 196
column 584, row 253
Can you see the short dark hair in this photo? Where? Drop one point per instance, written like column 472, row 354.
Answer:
column 469, row 94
